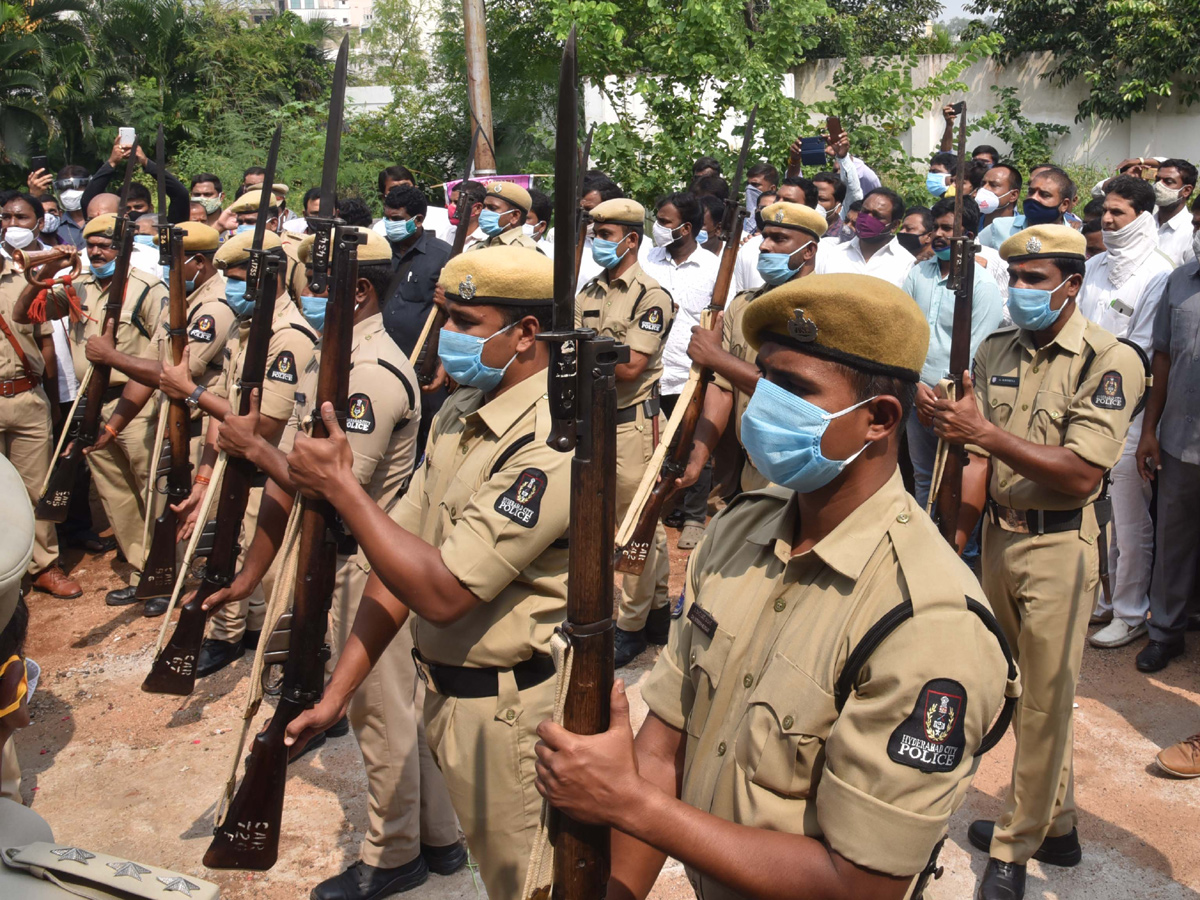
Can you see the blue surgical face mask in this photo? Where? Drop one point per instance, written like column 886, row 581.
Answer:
column 397, row 230
column 1030, row 307
column 489, row 222
column 937, row 183
column 774, row 268
column 235, row 296
column 241, row 229
column 1038, row 213
column 462, row 357
column 313, row 309
column 605, row 253
column 146, row 240
column 189, row 285
column 702, row 237
column 782, row 436
column 105, row 270
column 943, row 254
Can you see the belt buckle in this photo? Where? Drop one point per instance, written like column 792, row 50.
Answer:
column 1014, row 520
column 8, row 388
column 424, row 672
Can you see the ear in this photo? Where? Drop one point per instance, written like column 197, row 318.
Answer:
column 363, row 290
column 527, row 330
column 886, row 417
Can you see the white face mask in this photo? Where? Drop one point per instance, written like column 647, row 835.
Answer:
column 17, row 237
column 1165, row 196
column 71, row 200
column 51, row 222
column 988, row 201
column 664, row 235
column 531, row 231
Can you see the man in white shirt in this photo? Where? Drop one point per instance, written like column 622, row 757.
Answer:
column 745, row 269
column 1121, row 292
column 1173, row 187
column 874, row 250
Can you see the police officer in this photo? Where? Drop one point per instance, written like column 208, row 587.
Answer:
column 475, row 549
column 244, row 214
column 236, row 626
column 505, row 208
column 412, row 828
column 788, row 699
column 625, row 303
column 1045, row 416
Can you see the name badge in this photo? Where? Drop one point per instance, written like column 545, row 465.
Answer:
column 702, row 619
column 1005, row 381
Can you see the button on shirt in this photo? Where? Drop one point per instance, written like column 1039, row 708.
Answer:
column 926, row 284
column 415, row 273
column 890, row 262
column 1177, row 332
column 1000, row 230
column 1175, row 237
column 1127, row 311
column 690, row 284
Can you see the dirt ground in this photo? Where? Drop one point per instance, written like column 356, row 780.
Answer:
column 138, row 775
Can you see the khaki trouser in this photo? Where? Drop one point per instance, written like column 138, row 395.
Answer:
column 10, row 773
column 639, row 593
column 233, row 620
column 120, row 473
column 484, row 747
column 27, row 441
column 407, row 801
column 1042, row 589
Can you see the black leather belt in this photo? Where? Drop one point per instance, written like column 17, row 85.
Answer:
column 650, row 409
column 460, row 681
column 1035, row 521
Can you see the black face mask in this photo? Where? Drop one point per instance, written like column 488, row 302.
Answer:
column 910, row 242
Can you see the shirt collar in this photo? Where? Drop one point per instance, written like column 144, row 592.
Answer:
column 1181, row 219
column 627, row 278
column 369, row 325
column 660, row 254
column 500, row 414
column 1070, row 338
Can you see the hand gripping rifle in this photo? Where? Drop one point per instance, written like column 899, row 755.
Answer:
column 636, row 535
column 174, row 670
column 248, row 836
column 56, row 498
column 159, row 570
column 962, row 282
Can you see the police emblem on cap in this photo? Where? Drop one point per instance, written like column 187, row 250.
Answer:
column 779, row 215
column 1033, row 245
column 494, row 187
column 802, row 328
column 466, row 289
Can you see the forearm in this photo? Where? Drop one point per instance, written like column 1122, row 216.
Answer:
column 380, row 617
column 97, row 185
column 1056, row 467
column 125, row 411
column 714, row 416
column 133, row 400
column 974, row 497
column 270, row 459
column 947, row 138
column 739, row 373
column 217, row 407
column 848, row 173
column 146, row 371
column 273, row 514
column 56, row 305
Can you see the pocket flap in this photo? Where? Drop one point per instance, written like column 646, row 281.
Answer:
column 799, row 704
column 710, row 654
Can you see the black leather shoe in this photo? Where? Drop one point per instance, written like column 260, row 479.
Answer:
column 627, row 645
column 1002, row 881
column 1156, row 654
column 363, row 882
column 155, row 607
column 445, row 860
column 250, row 639
column 216, row 655
column 121, row 596
column 340, row 728
column 1193, row 622
column 658, row 625
column 1061, row 851
column 674, row 520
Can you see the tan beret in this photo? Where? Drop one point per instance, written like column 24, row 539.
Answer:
column 248, row 202
column 198, row 237
column 499, row 276
column 236, row 250
column 375, row 250
column 796, row 216
column 513, row 193
column 101, row 226
column 17, row 547
column 621, row 211
column 859, row 320
column 1045, row 242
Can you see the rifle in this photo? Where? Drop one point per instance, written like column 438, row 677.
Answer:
column 159, row 569
column 323, row 223
column 583, row 217
column 425, row 353
column 636, row 535
column 962, row 282
column 174, row 669
column 56, row 498
column 248, row 836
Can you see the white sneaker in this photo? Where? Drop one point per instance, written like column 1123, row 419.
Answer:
column 1117, row 633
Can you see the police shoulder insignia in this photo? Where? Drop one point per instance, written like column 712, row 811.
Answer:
column 652, row 320
column 360, row 416
column 523, row 501
column 933, row 736
column 284, row 368
column 1109, row 393
column 204, row 330
column 801, row 327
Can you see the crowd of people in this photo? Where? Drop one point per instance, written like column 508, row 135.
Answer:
column 831, row 360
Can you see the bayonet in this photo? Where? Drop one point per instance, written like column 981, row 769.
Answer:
column 322, row 227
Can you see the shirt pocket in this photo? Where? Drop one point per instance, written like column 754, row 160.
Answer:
column 781, row 743
column 1000, row 402
column 1185, row 324
column 1048, row 424
column 706, row 662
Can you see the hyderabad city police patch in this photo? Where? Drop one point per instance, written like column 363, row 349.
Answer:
column 651, row 320
column 284, row 368
column 204, row 330
column 523, row 501
column 360, row 417
column 932, row 738
column 1109, row 394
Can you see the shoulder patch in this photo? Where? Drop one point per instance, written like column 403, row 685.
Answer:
column 203, row 330
column 523, row 501
column 1109, row 393
column 651, row 320
column 932, row 738
column 283, row 369
column 360, row 417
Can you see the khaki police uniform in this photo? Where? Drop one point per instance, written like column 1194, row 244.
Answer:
column 514, row 237
column 495, row 500
column 293, row 275
column 1079, row 391
column 782, row 730
column 518, row 197
column 26, row 437
column 121, row 470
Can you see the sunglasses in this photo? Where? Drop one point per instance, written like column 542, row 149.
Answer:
column 72, row 184
column 22, row 688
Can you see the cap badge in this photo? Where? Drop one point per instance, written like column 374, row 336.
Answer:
column 802, row 328
column 495, row 187
column 1033, row 245
column 466, row 289
column 779, row 215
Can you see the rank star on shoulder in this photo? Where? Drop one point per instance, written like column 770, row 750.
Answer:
column 179, row 884
column 128, row 870
column 74, row 854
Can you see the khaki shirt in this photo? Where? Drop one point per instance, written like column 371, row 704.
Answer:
column 499, row 517
column 1038, row 395
column 634, row 310
column 142, row 312
column 288, row 354
column 750, row 671
column 734, row 341
column 514, row 237
column 12, row 283
column 384, row 411
column 210, row 324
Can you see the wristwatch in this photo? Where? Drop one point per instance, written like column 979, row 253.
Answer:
column 193, row 399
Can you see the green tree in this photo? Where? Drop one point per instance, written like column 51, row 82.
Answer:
column 881, row 27
column 393, row 42
column 1031, row 143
